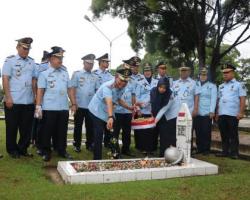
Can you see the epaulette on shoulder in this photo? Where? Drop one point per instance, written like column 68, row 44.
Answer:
column 64, row 68
column 11, row 56
column 30, row 58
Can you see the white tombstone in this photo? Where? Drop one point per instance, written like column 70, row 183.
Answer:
column 184, row 132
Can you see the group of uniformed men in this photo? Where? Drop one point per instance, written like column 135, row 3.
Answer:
column 36, row 100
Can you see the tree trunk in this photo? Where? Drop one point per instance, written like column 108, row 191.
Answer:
column 215, row 61
column 201, row 54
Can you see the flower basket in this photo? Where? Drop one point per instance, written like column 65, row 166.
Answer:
column 143, row 123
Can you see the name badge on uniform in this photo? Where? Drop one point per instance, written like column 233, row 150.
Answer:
column 186, row 93
column 18, row 72
column 81, row 81
column 51, row 84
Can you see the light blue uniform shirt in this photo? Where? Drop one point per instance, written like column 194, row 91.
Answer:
column 127, row 97
column 186, row 90
column 86, row 84
column 142, row 92
column 41, row 67
column 103, row 76
column 174, row 107
column 97, row 105
column 229, row 94
column 20, row 72
column 207, row 99
column 134, row 78
column 55, row 83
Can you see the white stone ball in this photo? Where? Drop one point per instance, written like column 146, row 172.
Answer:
column 173, row 155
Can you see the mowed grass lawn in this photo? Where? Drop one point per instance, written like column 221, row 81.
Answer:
column 27, row 178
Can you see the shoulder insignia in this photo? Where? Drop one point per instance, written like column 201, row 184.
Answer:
column 30, row 58
column 11, row 56
column 64, row 68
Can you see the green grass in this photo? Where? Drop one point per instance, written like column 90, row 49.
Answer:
column 26, row 179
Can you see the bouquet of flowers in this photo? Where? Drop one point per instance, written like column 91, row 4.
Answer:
column 114, row 152
column 143, row 123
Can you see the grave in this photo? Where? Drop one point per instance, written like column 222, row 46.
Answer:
column 123, row 170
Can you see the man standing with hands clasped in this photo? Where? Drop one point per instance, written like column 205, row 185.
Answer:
column 52, row 105
column 19, row 92
column 230, row 109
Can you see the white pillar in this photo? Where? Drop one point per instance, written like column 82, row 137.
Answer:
column 184, row 132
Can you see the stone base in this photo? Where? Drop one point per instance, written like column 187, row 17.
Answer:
column 195, row 168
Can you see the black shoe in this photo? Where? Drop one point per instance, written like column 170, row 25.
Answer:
column 127, row 153
column 221, row 154
column 234, row 156
column 66, row 155
column 46, row 157
column 77, row 149
column 15, row 155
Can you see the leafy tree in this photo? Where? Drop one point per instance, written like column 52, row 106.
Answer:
column 183, row 27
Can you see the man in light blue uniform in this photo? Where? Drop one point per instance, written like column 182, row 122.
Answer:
column 143, row 88
column 101, row 106
column 52, row 105
column 134, row 63
column 162, row 72
column 231, row 107
column 145, row 139
column 104, row 75
column 84, row 85
column 187, row 90
column 19, row 90
column 123, row 116
column 206, row 112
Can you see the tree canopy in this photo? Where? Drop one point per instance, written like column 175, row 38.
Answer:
column 182, row 29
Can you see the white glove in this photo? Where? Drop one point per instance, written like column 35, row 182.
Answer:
column 38, row 112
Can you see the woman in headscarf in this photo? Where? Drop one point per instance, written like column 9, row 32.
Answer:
column 161, row 98
column 145, row 139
